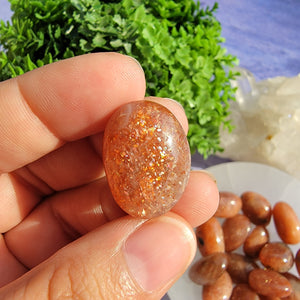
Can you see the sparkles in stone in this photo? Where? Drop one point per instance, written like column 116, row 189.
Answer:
column 146, row 157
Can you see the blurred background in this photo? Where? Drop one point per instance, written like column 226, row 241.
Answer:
column 264, row 35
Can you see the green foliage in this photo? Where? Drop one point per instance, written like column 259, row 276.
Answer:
column 177, row 43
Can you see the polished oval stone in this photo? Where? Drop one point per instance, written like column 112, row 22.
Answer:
column 258, row 237
column 146, row 158
column 278, row 256
column 221, row 289
column 287, row 223
column 257, row 208
column 229, row 205
column 297, row 261
column 209, row 268
column 236, row 230
column 295, row 283
column 239, row 266
column 243, row 291
column 269, row 283
column 210, row 237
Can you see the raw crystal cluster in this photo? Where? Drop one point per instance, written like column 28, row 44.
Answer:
column 266, row 116
column 146, row 157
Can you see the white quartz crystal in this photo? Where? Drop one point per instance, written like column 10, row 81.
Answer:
column 266, row 116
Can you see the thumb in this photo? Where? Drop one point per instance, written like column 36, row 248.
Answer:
column 127, row 258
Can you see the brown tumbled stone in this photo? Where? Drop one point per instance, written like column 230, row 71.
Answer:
column 235, row 230
column 146, row 158
column 295, row 282
column 297, row 261
column 229, row 205
column 257, row 208
column 209, row 268
column 243, row 291
column 258, row 237
column 277, row 256
column 269, row 283
column 210, row 237
column 287, row 223
column 239, row 267
column 219, row 290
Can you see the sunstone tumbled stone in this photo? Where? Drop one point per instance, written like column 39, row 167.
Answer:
column 146, row 158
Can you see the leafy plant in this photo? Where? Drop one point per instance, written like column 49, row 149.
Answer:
column 178, row 43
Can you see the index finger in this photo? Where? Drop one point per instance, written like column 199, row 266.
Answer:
column 63, row 101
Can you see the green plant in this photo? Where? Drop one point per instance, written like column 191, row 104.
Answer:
column 178, row 43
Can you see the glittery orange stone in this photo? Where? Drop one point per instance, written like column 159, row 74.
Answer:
column 146, row 158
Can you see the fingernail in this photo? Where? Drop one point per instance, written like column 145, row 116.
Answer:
column 136, row 61
column 209, row 174
column 175, row 101
column 159, row 251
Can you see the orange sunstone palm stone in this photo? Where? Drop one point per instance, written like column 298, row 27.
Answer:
column 146, row 157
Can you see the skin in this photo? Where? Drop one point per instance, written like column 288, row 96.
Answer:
column 62, row 235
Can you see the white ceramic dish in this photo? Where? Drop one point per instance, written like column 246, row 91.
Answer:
column 238, row 177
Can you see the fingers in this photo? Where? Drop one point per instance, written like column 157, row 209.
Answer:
column 10, row 267
column 175, row 108
column 200, row 199
column 25, row 134
column 63, row 101
column 75, row 163
column 16, row 201
column 61, row 219
column 70, row 214
column 79, row 162
column 126, row 258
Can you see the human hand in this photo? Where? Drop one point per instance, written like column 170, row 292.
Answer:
column 63, row 236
